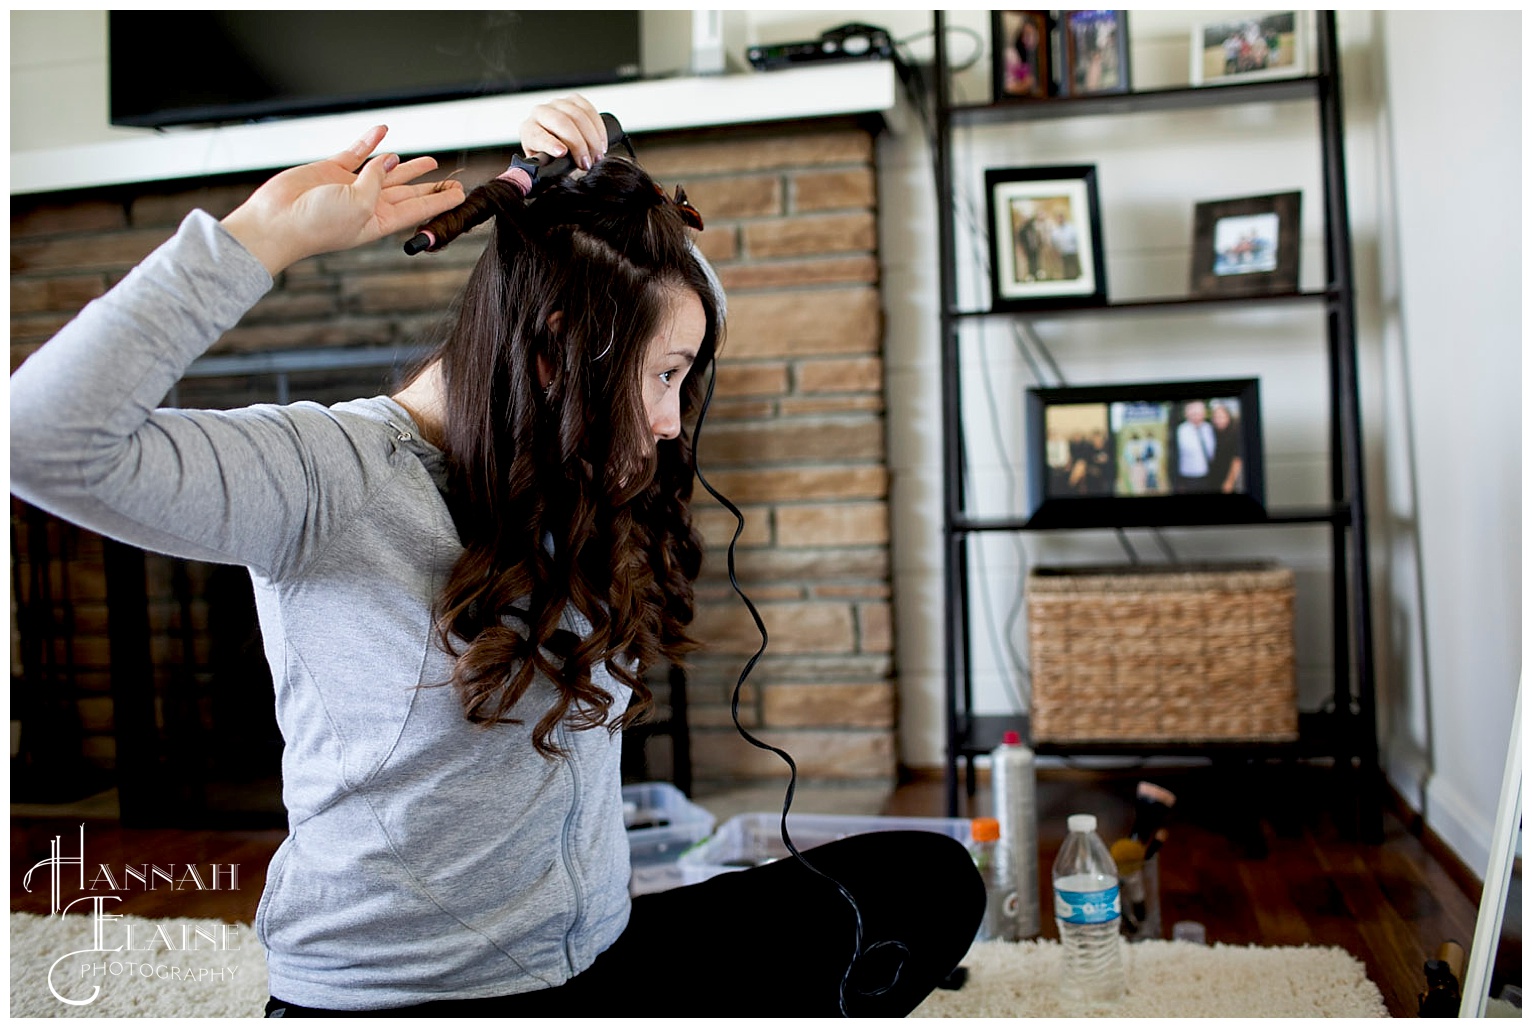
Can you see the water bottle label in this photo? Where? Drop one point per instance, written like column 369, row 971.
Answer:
column 1095, row 907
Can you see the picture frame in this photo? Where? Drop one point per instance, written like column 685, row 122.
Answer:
column 1247, row 246
column 1095, row 53
column 1020, row 55
column 1251, row 49
column 1142, row 454
column 1045, row 246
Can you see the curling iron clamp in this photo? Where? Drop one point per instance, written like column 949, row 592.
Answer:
column 525, row 172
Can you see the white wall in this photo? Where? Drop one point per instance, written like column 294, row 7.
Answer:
column 60, row 55
column 1453, row 347
column 1434, row 169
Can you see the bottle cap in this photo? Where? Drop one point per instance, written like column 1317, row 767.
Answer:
column 1011, row 739
column 985, row 829
column 1082, row 822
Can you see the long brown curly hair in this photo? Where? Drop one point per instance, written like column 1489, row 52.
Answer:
column 574, row 522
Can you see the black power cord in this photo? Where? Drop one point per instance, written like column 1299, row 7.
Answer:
column 859, row 952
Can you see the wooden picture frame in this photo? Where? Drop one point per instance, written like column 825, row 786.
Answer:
column 1155, row 453
column 1020, row 55
column 1044, row 238
column 1095, row 49
column 1262, row 46
column 1247, row 246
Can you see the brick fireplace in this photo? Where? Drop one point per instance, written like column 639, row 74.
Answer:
column 795, row 438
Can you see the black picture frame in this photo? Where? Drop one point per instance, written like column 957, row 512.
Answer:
column 1109, row 456
column 1045, row 248
column 1247, row 246
column 1020, row 55
column 1095, row 53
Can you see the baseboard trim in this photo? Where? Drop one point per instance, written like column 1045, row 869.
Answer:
column 1415, row 823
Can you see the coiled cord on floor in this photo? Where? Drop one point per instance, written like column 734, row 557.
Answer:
column 858, row 953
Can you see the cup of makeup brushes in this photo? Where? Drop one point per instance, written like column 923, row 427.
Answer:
column 1139, row 880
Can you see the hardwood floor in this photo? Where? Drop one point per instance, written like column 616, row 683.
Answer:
column 1391, row 904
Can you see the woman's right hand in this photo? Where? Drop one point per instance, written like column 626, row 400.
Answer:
column 329, row 205
column 571, row 125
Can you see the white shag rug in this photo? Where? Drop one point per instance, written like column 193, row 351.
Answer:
column 1005, row 979
column 1168, row 979
column 188, row 978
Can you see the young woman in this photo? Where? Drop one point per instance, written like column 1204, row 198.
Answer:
column 460, row 587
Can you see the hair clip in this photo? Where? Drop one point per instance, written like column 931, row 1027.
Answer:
column 689, row 214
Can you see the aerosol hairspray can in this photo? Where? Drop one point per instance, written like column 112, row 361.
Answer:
column 1013, row 776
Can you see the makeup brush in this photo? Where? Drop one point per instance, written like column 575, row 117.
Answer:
column 1151, row 806
column 1150, row 809
column 1129, row 856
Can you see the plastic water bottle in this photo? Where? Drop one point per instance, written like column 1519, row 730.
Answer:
column 994, row 865
column 1013, row 775
column 1088, row 908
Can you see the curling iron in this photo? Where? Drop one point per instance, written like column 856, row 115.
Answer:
column 527, row 171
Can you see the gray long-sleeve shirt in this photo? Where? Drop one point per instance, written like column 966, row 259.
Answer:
column 427, row 858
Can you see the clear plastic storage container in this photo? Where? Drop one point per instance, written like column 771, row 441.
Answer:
column 662, row 823
column 750, row 839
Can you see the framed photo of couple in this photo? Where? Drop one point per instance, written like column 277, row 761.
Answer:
column 1044, row 238
column 1162, row 453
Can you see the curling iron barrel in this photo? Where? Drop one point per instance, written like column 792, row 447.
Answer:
column 527, row 171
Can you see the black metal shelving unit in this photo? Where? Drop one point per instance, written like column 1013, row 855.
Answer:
column 1347, row 730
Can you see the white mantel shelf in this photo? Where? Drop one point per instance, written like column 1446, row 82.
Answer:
column 660, row 105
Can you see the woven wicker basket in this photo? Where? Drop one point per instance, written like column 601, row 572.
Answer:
column 1173, row 653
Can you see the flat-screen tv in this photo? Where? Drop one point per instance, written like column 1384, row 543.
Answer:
column 203, row 67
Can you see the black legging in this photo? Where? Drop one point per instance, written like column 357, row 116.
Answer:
column 771, row 941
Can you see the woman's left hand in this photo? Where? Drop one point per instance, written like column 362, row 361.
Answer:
column 331, row 205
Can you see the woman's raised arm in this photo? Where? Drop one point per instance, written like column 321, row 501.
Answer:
column 235, row 486
column 339, row 202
